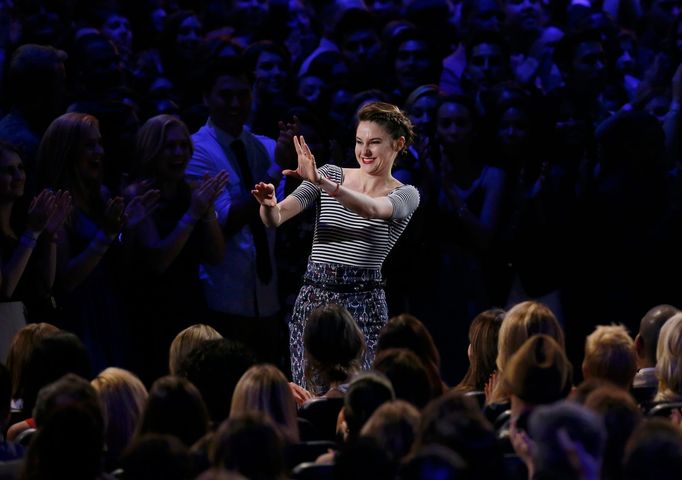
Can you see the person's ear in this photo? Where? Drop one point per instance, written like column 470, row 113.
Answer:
column 400, row 144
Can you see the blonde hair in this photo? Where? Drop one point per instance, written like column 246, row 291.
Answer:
column 264, row 388
column 122, row 396
column 20, row 350
column 150, row 140
column 610, row 354
column 669, row 360
column 60, row 149
column 521, row 322
column 185, row 341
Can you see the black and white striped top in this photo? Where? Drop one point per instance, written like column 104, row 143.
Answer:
column 344, row 237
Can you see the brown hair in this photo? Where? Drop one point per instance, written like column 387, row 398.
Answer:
column 23, row 344
column 390, row 117
column 483, row 336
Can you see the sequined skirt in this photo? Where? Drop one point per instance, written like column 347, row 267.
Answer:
column 356, row 288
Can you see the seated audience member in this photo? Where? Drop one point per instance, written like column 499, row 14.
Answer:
column 407, row 374
column 20, row 351
column 621, row 416
column 214, row 368
column 394, row 427
column 610, row 354
column 455, row 421
column 366, row 393
column 434, row 461
column 122, row 396
column 483, row 336
column 522, row 321
column 539, row 373
column 54, row 356
column 364, row 458
column 185, row 341
column 153, row 455
column 668, row 354
column 69, row 441
column 333, row 345
column 654, row 451
column 250, row 445
column 264, row 389
column 407, row 331
column 645, row 345
column 174, row 407
column 558, row 431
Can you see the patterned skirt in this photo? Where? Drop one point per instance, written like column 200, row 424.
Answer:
column 356, row 288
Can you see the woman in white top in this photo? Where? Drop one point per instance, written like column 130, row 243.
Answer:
column 360, row 216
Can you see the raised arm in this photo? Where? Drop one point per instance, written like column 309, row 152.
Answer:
column 360, row 203
column 274, row 214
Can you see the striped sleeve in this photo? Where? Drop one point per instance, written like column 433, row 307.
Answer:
column 405, row 200
column 307, row 193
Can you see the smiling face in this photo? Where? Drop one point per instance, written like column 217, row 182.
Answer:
column 174, row 154
column 375, row 150
column 12, row 175
column 89, row 166
column 271, row 73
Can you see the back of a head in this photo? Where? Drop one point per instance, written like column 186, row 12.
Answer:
column 54, row 356
column 654, row 451
column 621, row 416
column 250, row 445
column 33, row 73
column 154, row 456
column 669, row 359
column 579, row 424
column 539, row 372
column 394, row 427
column 483, row 337
column 333, row 344
column 263, row 388
column 21, row 349
column 610, row 354
column 185, row 341
column 407, row 331
column 407, row 374
column 365, row 394
column 650, row 327
column 434, row 461
column 522, row 321
column 175, row 407
column 215, row 367
column 70, row 438
column 68, row 444
column 122, row 396
column 456, row 421
column 363, row 459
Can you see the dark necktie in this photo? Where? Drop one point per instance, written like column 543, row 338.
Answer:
column 260, row 239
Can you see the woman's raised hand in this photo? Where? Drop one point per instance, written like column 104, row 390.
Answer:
column 306, row 170
column 140, row 207
column 265, row 194
column 40, row 210
column 113, row 216
column 206, row 192
column 61, row 212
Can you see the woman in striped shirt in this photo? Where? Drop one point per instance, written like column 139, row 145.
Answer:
column 361, row 213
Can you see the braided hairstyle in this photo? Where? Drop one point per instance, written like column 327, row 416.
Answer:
column 394, row 120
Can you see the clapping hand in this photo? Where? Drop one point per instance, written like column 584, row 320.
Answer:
column 306, row 170
column 140, row 207
column 60, row 213
column 41, row 209
column 265, row 194
column 206, row 192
